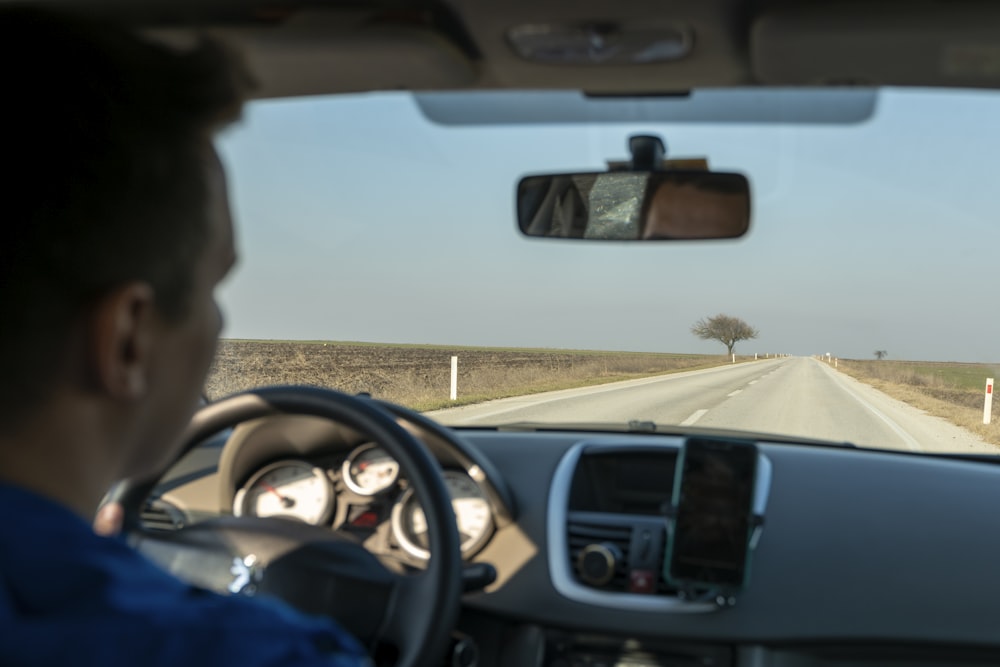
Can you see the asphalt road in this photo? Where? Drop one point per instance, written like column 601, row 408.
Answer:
column 796, row 396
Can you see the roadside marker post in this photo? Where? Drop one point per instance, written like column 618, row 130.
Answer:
column 988, row 403
column 454, row 378
column 734, row 357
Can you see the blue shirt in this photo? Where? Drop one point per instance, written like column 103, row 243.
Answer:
column 70, row 597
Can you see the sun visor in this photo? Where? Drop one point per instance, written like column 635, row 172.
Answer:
column 317, row 52
column 911, row 44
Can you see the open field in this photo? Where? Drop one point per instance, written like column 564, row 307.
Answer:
column 951, row 390
column 419, row 376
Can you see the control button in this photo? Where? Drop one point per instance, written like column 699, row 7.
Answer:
column 597, row 563
column 464, row 653
column 642, row 581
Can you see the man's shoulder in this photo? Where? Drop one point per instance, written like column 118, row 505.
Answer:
column 68, row 595
column 141, row 615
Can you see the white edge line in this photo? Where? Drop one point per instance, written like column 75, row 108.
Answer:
column 910, row 442
column 733, row 393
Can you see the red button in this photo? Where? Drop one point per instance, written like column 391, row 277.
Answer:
column 641, row 581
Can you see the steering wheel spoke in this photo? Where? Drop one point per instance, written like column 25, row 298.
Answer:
column 195, row 555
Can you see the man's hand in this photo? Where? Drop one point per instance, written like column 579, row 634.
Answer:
column 109, row 519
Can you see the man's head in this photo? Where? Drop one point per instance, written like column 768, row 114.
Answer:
column 115, row 224
column 695, row 205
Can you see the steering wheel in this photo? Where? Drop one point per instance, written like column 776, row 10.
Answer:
column 310, row 567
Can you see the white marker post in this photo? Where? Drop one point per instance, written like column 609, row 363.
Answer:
column 755, row 356
column 734, row 357
column 454, row 378
column 988, row 403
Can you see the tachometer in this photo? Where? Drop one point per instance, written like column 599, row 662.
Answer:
column 472, row 512
column 287, row 489
column 370, row 470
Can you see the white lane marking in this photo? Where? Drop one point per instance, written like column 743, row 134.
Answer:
column 731, row 394
column 695, row 416
column 515, row 403
column 753, row 381
column 910, row 442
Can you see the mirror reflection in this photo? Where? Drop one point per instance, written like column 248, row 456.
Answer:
column 635, row 205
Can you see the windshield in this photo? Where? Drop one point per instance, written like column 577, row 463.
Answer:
column 380, row 253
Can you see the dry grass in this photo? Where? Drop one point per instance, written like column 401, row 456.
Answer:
column 952, row 391
column 420, row 376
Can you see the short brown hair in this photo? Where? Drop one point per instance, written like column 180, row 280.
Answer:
column 104, row 136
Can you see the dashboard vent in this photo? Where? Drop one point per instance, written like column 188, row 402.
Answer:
column 581, row 533
column 633, row 543
column 159, row 515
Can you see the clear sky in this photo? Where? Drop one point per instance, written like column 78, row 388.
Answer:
column 360, row 220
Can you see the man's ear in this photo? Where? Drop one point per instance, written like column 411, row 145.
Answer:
column 122, row 332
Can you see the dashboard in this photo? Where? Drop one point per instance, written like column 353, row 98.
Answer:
column 866, row 557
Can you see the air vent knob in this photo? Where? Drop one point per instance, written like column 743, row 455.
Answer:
column 597, row 563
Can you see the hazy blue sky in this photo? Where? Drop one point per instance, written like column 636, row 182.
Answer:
column 360, row 220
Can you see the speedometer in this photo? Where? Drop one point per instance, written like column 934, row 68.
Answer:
column 472, row 512
column 287, row 489
column 370, row 470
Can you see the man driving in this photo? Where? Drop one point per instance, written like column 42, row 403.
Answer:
column 116, row 232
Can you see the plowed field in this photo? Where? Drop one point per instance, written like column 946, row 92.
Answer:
column 420, row 376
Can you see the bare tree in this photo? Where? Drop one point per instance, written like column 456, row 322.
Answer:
column 881, row 354
column 725, row 329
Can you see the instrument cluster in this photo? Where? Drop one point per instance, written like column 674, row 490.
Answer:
column 366, row 493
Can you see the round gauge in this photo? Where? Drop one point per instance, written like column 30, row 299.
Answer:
column 370, row 470
column 472, row 512
column 289, row 490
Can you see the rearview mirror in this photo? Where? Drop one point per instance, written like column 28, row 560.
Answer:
column 635, row 205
